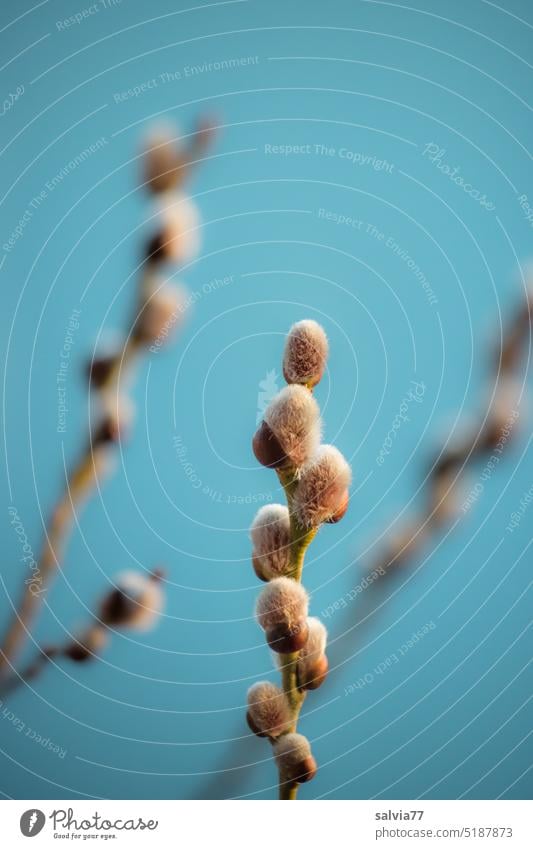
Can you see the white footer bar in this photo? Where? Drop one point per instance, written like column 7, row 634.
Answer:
column 267, row 825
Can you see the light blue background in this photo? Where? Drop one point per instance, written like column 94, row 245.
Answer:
column 162, row 715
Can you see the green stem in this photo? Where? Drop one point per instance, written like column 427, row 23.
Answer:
column 301, row 538
column 289, row 665
column 288, row 789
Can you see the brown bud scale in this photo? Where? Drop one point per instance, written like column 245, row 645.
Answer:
column 286, row 640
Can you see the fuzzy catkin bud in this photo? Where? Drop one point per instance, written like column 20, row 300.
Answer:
column 290, row 433
column 321, row 495
column 306, row 353
column 316, row 641
column 99, row 370
column 115, row 418
column 270, row 533
column 162, row 311
column 178, row 237
column 312, row 662
column 269, row 713
column 281, row 602
column 294, row 759
column 136, row 602
column 281, row 611
column 163, row 163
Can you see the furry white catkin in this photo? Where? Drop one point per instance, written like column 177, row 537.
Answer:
column 268, row 709
column 316, row 642
column 306, row 353
column 271, row 537
column 181, row 228
column 312, row 667
column 322, row 488
column 282, row 602
column 294, row 758
column 162, row 311
column 141, row 599
column 293, row 417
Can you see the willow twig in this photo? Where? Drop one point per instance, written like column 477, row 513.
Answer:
column 135, row 602
column 315, row 479
column 157, row 310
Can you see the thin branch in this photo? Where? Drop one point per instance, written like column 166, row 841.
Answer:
column 166, row 168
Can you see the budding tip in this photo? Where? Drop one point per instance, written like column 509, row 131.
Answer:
column 162, row 161
column 306, row 352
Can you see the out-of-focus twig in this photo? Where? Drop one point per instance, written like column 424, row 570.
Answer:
column 496, row 428
column 159, row 308
column 135, row 603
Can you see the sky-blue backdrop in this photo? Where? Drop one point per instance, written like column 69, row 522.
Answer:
column 161, row 716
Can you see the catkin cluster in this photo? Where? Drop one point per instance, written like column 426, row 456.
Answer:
column 315, row 478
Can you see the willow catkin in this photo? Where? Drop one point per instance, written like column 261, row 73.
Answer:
column 322, row 492
column 312, row 666
column 281, row 611
column 271, row 537
column 306, row 353
column 290, row 432
column 315, row 479
column 268, row 710
column 294, row 758
column 136, row 602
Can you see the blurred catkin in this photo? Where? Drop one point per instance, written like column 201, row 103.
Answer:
column 135, row 603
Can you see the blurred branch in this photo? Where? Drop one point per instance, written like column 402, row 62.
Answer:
column 495, row 429
column 160, row 307
column 135, row 603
